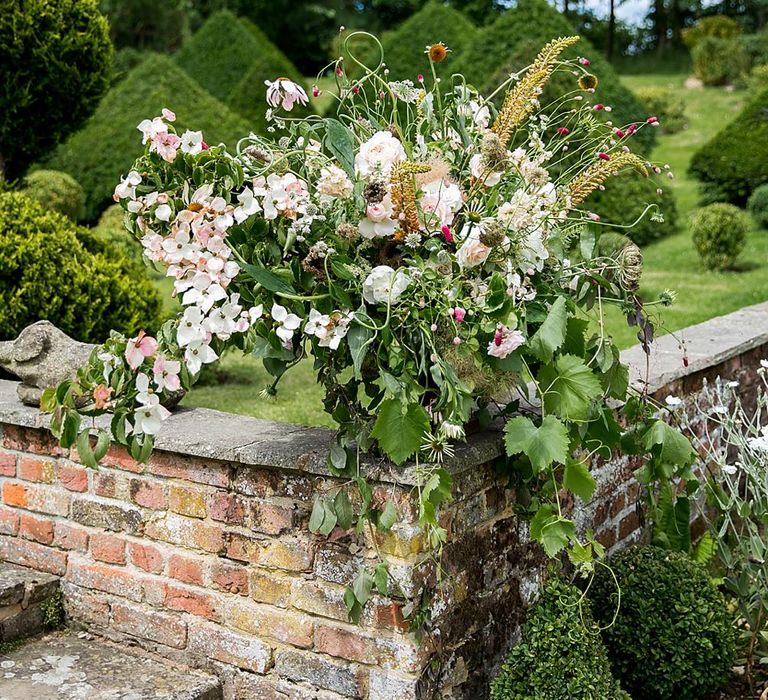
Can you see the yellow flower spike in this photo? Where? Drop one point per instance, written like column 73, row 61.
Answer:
column 404, row 193
column 596, row 174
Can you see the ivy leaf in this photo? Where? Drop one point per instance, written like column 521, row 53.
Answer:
column 399, row 428
column 569, row 387
column 578, row 480
column 343, row 507
column 339, row 141
column 268, row 280
column 543, row 445
column 387, row 517
column 551, row 333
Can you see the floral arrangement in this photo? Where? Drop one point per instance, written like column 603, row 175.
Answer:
column 428, row 248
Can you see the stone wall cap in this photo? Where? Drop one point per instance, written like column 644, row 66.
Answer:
column 215, row 435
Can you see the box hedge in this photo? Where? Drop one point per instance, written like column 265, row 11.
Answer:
column 56, row 191
column 734, row 163
column 513, row 40
column 106, row 147
column 54, row 270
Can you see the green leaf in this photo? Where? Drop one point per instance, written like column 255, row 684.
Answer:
column 670, row 446
column 337, row 458
column 48, row 400
column 354, row 609
column 381, row 578
column 578, row 480
column 551, row 333
column 102, row 445
column 399, row 428
column 84, row 450
column 317, row 516
column 362, row 586
column 388, row 517
column 70, row 428
column 343, row 507
column 268, row 280
column 339, row 141
column 705, row 549
column 543, row 445
column 358, row 339
column 551, row 530
column 569, row 387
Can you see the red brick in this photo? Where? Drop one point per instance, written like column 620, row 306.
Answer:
column 628, row 525
column 188, row 501
column 227, row 508
column 607, row 538
column 230, row 577
column 34, row 469
column 73, row 478
column 108, row 548
column 39, row 442
column 103, row 577
column 118, row 458
column 36, row 529
column 105, row 485
column 41, row 498
column 9, row 521
column 344, row 644
column 146, row 557
column 174, row 466
column 35, row 556
column 146, row 623
column 147, row 493
column 389, row 615
column 84, row 606
column 185, row 569
column 617, row 505
column 69, row 536
column 7, row 464
column 200, row 604
column 271, row 518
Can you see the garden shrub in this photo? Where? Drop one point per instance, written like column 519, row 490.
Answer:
column 126, row 59
column 758, row 206
column 623, row 201
column 57, row 191
column 561, row 655
column 106, row 147
column 716, row 26
column 666, row 104
column 672, row 636
column 57, row 60
column 53, row 270
column 513, row 40
column 147, row 25
column 111, row 230
column 756, row 48
column 757, row 79
column 404, row 46
column 611, row 243
column 733, row 163
column 719, row 232
column 718, row 61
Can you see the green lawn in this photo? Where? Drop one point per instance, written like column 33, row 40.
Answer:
column 669, row 264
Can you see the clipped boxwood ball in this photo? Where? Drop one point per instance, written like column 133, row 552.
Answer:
column 561, row 655
column 758, row 206
column 56, row 271
column 672, row 637
column 719, row 233
column 57, row 191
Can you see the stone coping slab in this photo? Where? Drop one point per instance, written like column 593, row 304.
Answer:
column 64, row 667
column 209, row 434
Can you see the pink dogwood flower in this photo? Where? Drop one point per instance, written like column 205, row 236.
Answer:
column 139, row 348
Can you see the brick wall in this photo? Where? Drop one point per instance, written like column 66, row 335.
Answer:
column 204, row 555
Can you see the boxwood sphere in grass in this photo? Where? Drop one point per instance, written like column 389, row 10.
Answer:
column 672, row 636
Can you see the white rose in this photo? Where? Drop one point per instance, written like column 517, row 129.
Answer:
column 472, row 252
column 378, row 220
column 385, row 285
column 477, row 169
column 443, row 199
column 379, row 154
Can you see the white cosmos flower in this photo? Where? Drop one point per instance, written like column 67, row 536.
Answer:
column 287, row 324
column 285, row 93
column 198, row 354
column 378, row 154
column 385, row 285
column 192, row 142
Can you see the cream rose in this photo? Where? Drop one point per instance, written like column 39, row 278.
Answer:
column 334, row 183
column 443, row 199
column 378, row 220
column 472, row 251
column 385, row 285
column 378, row 154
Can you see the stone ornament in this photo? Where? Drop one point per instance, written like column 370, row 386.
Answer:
column 41, row 357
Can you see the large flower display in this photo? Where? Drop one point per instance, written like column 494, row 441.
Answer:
column 427, row 248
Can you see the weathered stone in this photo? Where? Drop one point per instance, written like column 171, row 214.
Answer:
column 215, row 642
column 320, row 671
column 23, row 593
column 107, row 516
column 42, row 357
column 385, row 685
column 61, row 667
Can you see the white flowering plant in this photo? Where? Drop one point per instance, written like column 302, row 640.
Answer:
column 428, row 248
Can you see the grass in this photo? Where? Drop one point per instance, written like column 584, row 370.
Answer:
column 669, row 264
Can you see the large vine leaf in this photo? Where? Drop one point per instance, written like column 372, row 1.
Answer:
column 551, row 333
column 553, row 531
column 578, row 480
column 543, row 445
column 399, row 428
column 269, row 280
column 569, row 386
column 668, row 445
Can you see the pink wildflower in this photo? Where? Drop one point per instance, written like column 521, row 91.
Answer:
column 447, row 234
column 563, row 131
column 459, row 314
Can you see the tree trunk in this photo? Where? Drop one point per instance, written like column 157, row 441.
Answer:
column 611, row 30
